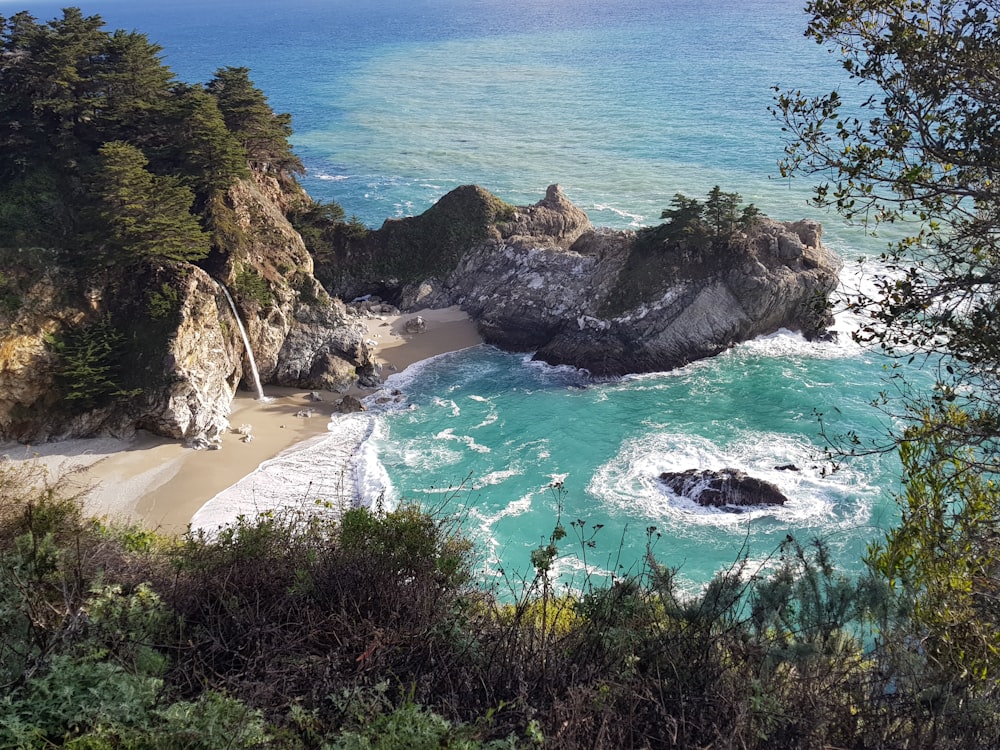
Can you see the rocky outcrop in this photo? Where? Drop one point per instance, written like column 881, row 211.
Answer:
column 728, row 489
column 175, row 368
column 301, row 336
column 174, row 357
column 615, row 302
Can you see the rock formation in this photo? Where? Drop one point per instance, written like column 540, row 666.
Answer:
column 178, row 369
column 301, row 336
column 541, row 278
column 729, row 489
column 537, row 278
column 177, row 358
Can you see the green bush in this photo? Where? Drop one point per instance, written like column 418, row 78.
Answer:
column 305, row 630
column 248, row 286
column 164, row 303
column 89, row 363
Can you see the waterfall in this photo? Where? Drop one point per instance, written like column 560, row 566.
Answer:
column 246, row 342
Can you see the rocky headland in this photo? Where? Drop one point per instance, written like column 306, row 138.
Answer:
column 178, row 356
column 541, row 278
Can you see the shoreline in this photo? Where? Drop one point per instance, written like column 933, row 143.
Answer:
column 161, row 483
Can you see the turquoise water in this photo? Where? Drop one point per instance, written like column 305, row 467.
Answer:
column 623, row 104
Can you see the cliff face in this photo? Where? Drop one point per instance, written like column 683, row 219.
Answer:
column 173, row 371
column 301, row 336
column 154, row 345
column 614, row 303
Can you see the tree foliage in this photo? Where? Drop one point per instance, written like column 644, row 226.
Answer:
column 144, row 215
column 713, row 222
column 88, row 371
column 921, row 148
column 261, row 132
column 945, row 554
column 69, row 89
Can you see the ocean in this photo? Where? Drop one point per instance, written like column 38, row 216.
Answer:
column 624, row 105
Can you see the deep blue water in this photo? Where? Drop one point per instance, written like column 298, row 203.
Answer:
column 624, row 104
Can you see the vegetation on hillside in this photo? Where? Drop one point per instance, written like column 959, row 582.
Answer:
column 354, row 261
column 371, row 631
column 105, row 158
column 113, row 172
column 694, row 238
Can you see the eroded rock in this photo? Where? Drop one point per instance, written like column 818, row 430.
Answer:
column 728, row 489
column 547, row 281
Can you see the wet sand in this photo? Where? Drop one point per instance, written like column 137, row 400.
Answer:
column 162, row 484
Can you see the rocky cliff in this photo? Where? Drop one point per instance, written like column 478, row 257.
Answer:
column 301, row 336
column 154, row 345
column 542, row 279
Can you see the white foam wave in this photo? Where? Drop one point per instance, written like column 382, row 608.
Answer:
column 635, row 220
column 428, row 456
column 786, row 344
column 444, row 403
column 414, row 372
column 484, row 523
column 329, row 177
column 371, row 480
column 496, row 477
column 492, row 415
column 558, row 374
column 631, row 480
column 467, row 440
column 315, row 476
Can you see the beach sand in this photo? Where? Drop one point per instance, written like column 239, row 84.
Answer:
column 162, row 483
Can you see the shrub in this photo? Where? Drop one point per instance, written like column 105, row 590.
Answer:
column 88, row 373
column 164, row 303
column 248, row 286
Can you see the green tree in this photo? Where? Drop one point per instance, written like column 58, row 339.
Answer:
column 684, row 221
column 145, row 215
column 46, row 93
column 132, row 86
column 89, row 364
column 260, row 131
column 945, row 555
column 722, row 212
column 206, row 149
column 924, row 148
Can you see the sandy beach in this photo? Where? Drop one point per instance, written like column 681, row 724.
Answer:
column 162, row 483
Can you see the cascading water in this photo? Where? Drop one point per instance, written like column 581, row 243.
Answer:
column 246, row 343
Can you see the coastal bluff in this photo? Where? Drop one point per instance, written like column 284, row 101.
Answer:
column 156, row 344
column 541, row 278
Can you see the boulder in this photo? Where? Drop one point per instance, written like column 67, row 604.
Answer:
column 415, row 325
column 728, row 489
column 348, row 405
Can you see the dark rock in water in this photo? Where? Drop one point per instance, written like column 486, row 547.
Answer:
column 729, row 489
column 787, row 467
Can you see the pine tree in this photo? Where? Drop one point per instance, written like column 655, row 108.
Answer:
column 132, row 85
column 145, row 215
column 206, row 151
column 722, row 212
column 260, row 131
column 88, row 364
